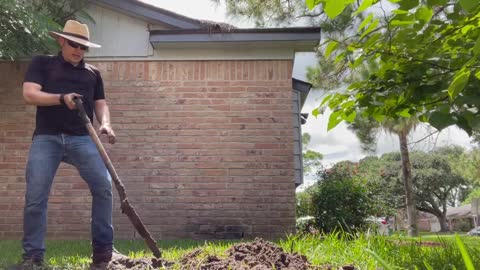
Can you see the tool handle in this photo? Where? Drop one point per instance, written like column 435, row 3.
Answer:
column 81, row 110
column 126, row 207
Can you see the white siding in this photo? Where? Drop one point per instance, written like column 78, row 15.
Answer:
column 119, row 35
column 297, row 137
column 126, row 38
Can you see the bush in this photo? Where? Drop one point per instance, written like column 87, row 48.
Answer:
column 305, row 224
column 304, row 203
column 340, row 200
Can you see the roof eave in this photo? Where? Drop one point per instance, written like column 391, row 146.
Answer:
column 300, row 39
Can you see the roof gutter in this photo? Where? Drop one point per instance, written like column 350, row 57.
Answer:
column 236, row 35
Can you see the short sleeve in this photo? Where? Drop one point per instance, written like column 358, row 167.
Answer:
column 36, row 70
column 99, row 91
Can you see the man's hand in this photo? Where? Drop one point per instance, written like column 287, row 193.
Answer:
column 68, row 98
column 107, row 129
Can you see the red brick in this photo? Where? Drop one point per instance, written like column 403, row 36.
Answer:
column 200, row 144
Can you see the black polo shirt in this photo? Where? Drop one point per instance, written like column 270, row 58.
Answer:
column 56, row 76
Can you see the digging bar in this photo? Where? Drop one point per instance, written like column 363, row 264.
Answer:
column 127, row 209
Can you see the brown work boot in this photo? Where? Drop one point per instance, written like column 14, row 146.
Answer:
column 117, row 255
column 28, row 264
column 100, row 260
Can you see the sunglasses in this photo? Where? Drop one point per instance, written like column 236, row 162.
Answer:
column 76, row 45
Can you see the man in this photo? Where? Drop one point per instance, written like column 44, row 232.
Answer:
column 51, row 83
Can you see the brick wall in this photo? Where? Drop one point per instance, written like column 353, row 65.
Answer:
column 205, row 150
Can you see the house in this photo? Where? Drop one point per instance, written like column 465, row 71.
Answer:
column 461, row 218
column 207, row 122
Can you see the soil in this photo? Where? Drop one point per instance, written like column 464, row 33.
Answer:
column 256, row 255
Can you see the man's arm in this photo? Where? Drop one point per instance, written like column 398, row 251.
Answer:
column 33, row 95
column 103, row 117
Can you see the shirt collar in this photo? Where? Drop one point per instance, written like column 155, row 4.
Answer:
column 81, row 64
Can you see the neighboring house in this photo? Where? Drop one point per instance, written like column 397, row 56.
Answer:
column 424, row 221
column 458, row 219
column 207, row 145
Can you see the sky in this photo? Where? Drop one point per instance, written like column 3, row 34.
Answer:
column 340, row 143
column 200, row 9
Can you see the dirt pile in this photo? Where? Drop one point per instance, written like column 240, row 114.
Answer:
column 256, row 255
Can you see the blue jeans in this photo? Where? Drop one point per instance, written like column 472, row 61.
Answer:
column 46, row 153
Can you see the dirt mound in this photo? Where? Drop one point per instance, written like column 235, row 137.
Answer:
column 256, row 255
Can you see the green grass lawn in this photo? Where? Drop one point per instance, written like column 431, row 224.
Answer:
column 337, row 249
column 470, row 241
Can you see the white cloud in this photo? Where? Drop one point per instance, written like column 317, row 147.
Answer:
column 341, row 144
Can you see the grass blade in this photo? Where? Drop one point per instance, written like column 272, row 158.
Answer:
column 466, row 257
column 380, row 260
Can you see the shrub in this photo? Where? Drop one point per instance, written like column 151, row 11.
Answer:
column 305, row 224
column 340, row 200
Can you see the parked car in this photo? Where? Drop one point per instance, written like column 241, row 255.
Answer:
column 474, row 231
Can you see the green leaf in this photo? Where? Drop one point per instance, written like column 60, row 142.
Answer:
column 326, row 99
column 441, row 120
column 399, row 11
column 398, row 22
column 365, row 4
column 476, row 48
column 432, row 3
column 458, row 83
column 311, row 4
column 340, row 57
column 370, row 28
column 372, row 40
column 405, row 113
column 408, row 4
column 466, row 258
column 424, row 14
column 365, row 22
column 467, row 28
column 463, row 123
column 334, row 8
column 469, row 5
column 316, row 112
column 332, row 45
column 477, row 75
column 378, row 117
column 350, row 117
column 348, row 104
column 357, row 62
column 335, row 119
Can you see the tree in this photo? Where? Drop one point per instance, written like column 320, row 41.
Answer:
column 427, row 54
column 311, row 159
column 24, row 25
column 434, row 182
column 365, row 127
column 464, row 163
column 385, row 194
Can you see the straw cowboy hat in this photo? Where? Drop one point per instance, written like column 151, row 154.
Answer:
column 76, row 32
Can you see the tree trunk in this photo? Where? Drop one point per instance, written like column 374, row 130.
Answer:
column 443, row 222
column 408, row 185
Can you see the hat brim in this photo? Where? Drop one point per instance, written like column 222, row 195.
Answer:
column 75, row 39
